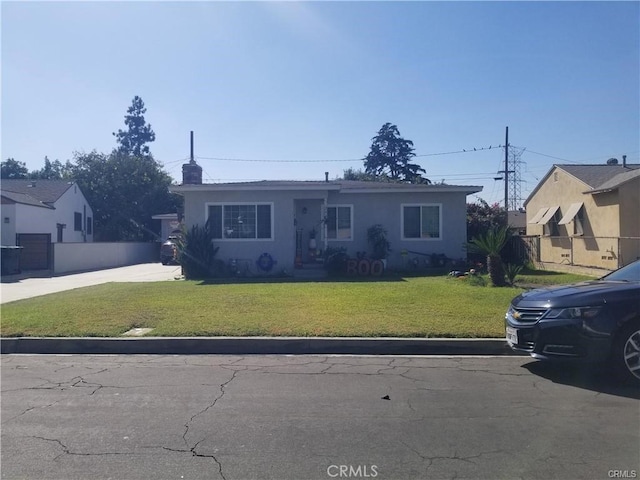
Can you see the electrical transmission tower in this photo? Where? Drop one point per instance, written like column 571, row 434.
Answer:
column 514, row 186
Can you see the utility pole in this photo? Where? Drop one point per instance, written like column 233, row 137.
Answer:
column 506, row 172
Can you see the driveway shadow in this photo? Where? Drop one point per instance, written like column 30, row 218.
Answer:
column 594, row 378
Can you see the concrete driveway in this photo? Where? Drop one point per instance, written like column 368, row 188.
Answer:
column 19, row 288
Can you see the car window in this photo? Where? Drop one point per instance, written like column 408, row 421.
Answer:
column 629, row 273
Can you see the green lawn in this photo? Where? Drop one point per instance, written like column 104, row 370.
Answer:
column 404, row 307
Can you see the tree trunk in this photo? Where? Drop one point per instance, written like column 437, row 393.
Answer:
column 496, row 270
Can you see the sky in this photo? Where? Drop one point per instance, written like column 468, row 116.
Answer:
column 291, row 90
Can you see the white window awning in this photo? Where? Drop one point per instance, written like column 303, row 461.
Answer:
column 572, row 212
column 549, row 215
column 536, row 218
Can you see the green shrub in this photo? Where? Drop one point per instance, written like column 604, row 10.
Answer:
column 335, row 260
column 196, row 253
column 512, row 270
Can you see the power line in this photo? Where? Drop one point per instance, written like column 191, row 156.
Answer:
column 262, row 160
column 545, row 155
column 601, row 157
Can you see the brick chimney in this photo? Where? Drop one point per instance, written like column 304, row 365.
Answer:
column 191, row 172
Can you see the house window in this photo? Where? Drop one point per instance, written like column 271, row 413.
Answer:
column 550, row 228
column 89, row 226
column 7, row 220
column 241, row 221
column 340, row 222
column 421, row 221
column 578, row 223
column 77, row 221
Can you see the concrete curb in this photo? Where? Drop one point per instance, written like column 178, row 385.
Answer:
column 255, row 346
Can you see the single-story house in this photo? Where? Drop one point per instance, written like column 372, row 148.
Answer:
column 291, row 222
column 587, row 215
column 38, row 213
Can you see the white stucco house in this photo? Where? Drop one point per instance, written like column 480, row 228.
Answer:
column 278, row 218
column 37, row 213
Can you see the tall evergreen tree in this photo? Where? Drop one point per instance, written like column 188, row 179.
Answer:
column 390, row 156
column 133, row 141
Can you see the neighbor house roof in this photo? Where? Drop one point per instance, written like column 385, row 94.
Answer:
column 343, row 186
column 517, row 219
column 617, row 181
column 23, row 198
column 43, row 193
column 596, row 178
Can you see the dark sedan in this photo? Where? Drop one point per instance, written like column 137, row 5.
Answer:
column 594, row 321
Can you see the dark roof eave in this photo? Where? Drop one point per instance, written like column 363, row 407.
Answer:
column 347, row 188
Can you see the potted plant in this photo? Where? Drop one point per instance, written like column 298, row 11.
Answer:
column 312, row 239
column 377, row 237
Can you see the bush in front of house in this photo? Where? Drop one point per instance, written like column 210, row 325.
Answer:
column 335, row 260
column 197, row 254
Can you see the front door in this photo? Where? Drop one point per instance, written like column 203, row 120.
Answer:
column 309, row 227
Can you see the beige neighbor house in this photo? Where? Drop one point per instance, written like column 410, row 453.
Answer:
column 586, row 215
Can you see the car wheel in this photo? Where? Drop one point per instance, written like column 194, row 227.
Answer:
column 626, row 354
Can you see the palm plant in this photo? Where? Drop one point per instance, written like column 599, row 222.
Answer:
column 512, row 270
column 196, row 252
column 491, row 244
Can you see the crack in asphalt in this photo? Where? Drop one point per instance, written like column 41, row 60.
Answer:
column 67, row 451
column 431, row 459
column 193, row 453
column 187, row 425
column 29, row 410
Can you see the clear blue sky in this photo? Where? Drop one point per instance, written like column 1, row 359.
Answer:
column 306, row 84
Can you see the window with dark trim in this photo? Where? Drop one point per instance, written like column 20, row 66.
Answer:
column 77, row 221
column 578, row 222
column 89, row 226
column 241, row 221
column 551, row 229
column 421, row 221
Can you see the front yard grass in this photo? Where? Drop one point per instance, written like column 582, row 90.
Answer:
column 398, row 307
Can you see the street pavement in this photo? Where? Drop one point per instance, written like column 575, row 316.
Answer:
column 312, row 417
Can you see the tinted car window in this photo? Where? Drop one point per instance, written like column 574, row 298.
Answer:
column 630, row 273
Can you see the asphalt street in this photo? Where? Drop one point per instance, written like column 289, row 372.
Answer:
column 312, row 417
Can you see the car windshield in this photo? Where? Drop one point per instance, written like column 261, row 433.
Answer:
column 629, row 273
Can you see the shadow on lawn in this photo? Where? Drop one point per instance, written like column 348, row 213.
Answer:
column 293, row 279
